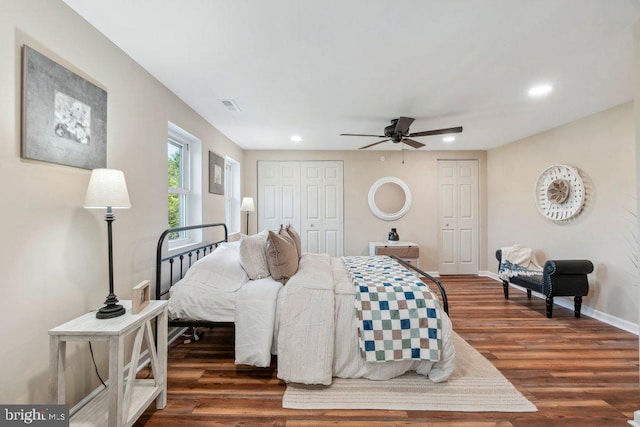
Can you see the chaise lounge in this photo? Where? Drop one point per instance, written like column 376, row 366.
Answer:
column 558, row 278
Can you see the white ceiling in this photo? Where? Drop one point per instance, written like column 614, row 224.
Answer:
column 321, row 68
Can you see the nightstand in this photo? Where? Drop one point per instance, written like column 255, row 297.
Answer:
column 406, row 251
column 120, row 404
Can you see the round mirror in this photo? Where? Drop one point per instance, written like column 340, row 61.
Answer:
column 389, row 198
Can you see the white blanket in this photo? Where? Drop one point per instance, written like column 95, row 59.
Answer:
column 318, row 336
column 520, row 256
column 306, row 335
column 210, row 287
column 523, row 258
column 255, row 318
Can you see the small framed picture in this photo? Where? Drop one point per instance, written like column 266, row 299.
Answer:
column 216, row 174
column 140, row 296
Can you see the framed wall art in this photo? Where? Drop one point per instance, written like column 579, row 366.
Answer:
column 140, row 295
column 560, row 193
column 64, row 117
column 216, row 174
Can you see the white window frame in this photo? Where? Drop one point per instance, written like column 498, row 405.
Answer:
column 232, row 195
column 183, row 190
column 191, row 186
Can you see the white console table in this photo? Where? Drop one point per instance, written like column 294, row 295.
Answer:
column 120, row 404
column 406, row 251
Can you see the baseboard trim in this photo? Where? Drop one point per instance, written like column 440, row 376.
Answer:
column 433, row 273
column 619, row 323
column 144, row 360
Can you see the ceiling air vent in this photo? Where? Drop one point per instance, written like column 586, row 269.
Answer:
column 230, row 105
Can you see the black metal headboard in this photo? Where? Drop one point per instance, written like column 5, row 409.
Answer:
column 198, row 251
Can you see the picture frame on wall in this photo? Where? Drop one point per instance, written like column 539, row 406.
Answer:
column 216, row 174
column 64, row 116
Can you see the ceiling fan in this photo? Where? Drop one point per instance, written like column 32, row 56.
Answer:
column 398, row 131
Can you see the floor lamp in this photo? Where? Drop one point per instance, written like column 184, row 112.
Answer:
column 108, row 190
column 248, row 206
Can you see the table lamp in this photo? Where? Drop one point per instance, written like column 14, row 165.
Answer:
column 248, row 206
column 108, row 190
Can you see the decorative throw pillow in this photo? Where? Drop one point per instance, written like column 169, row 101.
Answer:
column 282, row 256
column 253, row 256
column 296, row 238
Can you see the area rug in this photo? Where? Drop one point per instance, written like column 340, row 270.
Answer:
column 475, row 386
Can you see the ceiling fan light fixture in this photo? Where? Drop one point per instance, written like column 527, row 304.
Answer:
column 296, row 138
column 449, row 138
column 398, row 132
column 540, row 90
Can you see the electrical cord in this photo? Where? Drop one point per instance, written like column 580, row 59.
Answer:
column 96, row 366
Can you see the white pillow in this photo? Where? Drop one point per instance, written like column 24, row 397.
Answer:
column 253, row 257
column 220, row 270
column 231, row 245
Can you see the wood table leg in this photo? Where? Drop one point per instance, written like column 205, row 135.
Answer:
column 116, row 373
column 57, row 368
column 161, row 401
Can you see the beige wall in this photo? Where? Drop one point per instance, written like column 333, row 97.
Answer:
column 361, row 170
column 53, row 254
column 602, row 146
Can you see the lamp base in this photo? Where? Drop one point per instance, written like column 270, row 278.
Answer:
column 111, row 309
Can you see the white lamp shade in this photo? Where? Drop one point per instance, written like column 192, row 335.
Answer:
column 247, row 204
column 107, row 189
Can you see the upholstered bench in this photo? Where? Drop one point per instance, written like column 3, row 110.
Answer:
column 559, row 278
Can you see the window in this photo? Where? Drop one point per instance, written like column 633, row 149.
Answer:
column 184, row 185
column 178, row 162
column 232, row 194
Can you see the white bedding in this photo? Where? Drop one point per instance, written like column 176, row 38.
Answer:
column 209, row 289
column 318, row 337
column 216, row 288
column 255, row 320
column 193, row 302
column 348, row 362
column 311, row 321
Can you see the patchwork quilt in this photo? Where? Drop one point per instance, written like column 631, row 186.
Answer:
column 399, row 317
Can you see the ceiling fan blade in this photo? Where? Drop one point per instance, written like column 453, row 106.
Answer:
column 402, row 126
column 411, row 142
column 437, row 132
column 375, row 143
column 360, row 134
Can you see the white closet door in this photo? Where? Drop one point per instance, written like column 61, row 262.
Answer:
column 458, row 212
column 321, row 226
column 278, row 194
column 308, row 195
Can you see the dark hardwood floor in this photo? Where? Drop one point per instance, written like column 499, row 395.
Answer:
column 578, row 372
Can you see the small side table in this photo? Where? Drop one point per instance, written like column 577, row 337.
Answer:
column 120, row 404
column 406, row 251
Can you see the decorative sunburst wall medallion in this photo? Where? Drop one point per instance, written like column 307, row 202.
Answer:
column 560, row 193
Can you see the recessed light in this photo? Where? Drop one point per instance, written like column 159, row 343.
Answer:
column 540, row 90
column 449, row 138
column 296, row 138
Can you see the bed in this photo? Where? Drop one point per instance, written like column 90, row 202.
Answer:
column 310, row 323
